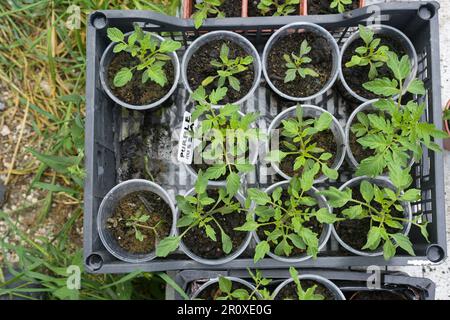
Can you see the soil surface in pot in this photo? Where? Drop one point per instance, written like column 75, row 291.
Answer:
column 145, row 154
column 135, row 92
column 377, row 295
column 289, row 292
column 253, row 10
column 357, row 76
column 354, row 232
column 322, row 61
column 231, row 8
column 133, row 205
column 312, row 224
column 199, row 68
column 200, row 244
column 324, row 139
column 323, row 7
column 212, row 292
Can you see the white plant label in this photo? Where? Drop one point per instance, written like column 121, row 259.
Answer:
column 187, row 142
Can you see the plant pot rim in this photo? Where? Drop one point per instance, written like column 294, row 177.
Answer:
column 325, row 235
column 219, row 183
column 378, row 28
column 229, row 35
column 216, row 280
column 447, row 122
column 233, row 255
column 107, row 90
column 277, row 120
column 304, row 3
column 351, row 158
column 335, row 61
column 407, row 213
column 334, row 289
column 145, row 186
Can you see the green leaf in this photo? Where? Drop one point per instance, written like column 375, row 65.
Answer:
column 324, row 216
column 245, row 168
column 275, row 156
column 157, row 75
column 290, row 75
column 216, row 171
column 201, row 183
column 330, row 173
column 366, row 34
column 115, row 35
column 167, row 246
column 122, row 77
column 371, row 166
column 388, row 250
column 234, row 83
column 210, row 232
column 225, row 285
column 416, row 87
column 233, row 183
column 217, row 95
column 248, row 226
column 383, row 87
column 354, row 212
column 261, row 250
column 411, row 195
column 323, row 122
column 227, row 244
column 366, row 189
column 169, row 45
column 185, row 221
column 400, row 178
column 297, row 241
column 373, row 239
column 258, row 196
column 336, row 197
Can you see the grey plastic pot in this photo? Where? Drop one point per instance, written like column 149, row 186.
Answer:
column 106, row 210
column 303, row 27
column 223, row 35
column 233, row 255
column 106, row 60
column 387, row 30
column 233, row 279
column 326, row 232
column 365, row 107
column 313, row 112
column 384, row 183
column 254, row 152
column 334, row 289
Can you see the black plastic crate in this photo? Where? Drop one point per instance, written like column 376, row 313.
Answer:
column 399, row 284
column 111, row 130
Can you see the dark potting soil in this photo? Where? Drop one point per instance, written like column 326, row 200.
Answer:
column 199, row 68
column 213, row 291
column 312, row 224
column 359, row 153
column 323, row 7
column 145, row 152
column 354, row 232
column 289, row 292
column 377, row 295
column 159, row 212
column 253, row 10
column 322, row 61
column 231, row 8
column 324, row 139
column 135, row 92
column 357, row 76
column 200, row 244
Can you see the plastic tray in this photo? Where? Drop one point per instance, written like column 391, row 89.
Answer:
column 108, row 126
column 350, row 282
